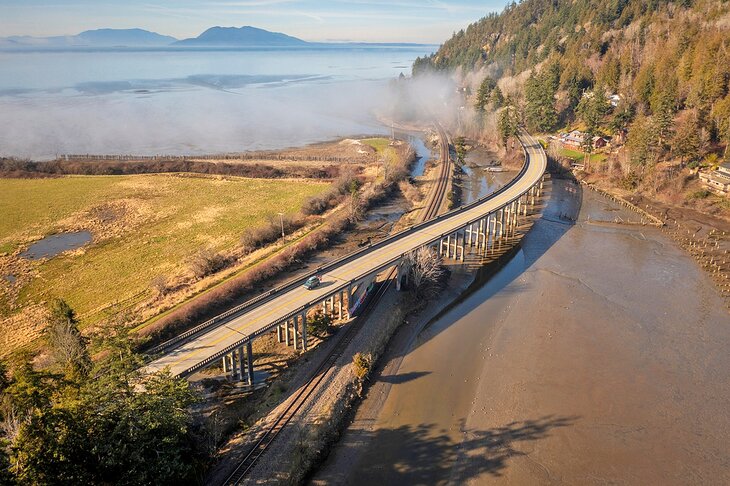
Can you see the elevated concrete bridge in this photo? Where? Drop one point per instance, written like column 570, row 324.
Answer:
column 475, row 227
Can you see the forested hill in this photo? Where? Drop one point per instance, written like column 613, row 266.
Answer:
column 668, row 62
column 527, row 33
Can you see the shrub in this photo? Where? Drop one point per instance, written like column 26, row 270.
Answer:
column 160, row 285
column 207, row 262
column 361, row 364
column 701, row 194
column 320, row 325
column 270, row 231
column 340, row 187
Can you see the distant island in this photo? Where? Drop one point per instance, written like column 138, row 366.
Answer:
column 242, row 37
column 92, row 38
column 223, row 37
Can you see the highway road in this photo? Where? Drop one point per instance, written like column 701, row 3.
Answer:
column 199, row 350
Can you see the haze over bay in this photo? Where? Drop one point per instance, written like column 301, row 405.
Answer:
column 190, row 101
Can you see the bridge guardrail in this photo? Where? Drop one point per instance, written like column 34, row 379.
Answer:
column 221, row 318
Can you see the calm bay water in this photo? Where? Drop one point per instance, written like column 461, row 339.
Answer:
column 192, row 101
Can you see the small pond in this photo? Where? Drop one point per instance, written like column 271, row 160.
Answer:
column 51, row 246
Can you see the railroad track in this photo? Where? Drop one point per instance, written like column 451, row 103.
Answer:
column 436, row 196
column 434, row 201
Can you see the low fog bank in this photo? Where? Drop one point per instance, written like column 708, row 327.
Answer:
column 192, row 120
column 215, row 114
column 448, row 99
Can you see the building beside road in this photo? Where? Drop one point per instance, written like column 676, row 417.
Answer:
column 717, row 180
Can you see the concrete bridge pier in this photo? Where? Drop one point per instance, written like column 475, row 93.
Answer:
column 287, row 332
column 234, row 365
column 463, row 244
column 502, row 221
column 513, row 213
column 249, row 363
column 295, row 320
column 340, row 304
column 507, row 219
column 497, row 223
column 479, row 236
column 401, row 276
column 279, row 333
column 241, row 364
column 490, row 231
column 350, row 289
column 483, row 233
column 304, row 331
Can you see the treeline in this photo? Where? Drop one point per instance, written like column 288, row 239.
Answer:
column 529, row 32
column 667, row 64
column 25, row 168
column 84, row 422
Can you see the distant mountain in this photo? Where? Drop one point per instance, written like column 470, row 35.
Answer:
column 246, row 36
column 92, row 38
column 125, row 37
column 241, row 36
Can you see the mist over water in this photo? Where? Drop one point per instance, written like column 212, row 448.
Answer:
column 191, row 102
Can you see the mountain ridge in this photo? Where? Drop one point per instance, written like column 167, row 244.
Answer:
column 134, row 37
column 241, row 36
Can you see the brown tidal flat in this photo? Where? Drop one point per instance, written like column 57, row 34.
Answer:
column 599, row 355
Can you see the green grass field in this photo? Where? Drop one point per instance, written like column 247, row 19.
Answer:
column 578, row 156
column 144, row 226
column 382, row 147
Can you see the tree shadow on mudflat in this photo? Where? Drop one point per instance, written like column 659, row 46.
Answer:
column 425, row 455
column 402, row 377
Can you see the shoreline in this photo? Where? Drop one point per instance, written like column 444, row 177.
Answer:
column 508, row 417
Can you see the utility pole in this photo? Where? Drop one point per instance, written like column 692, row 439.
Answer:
column 281, row 218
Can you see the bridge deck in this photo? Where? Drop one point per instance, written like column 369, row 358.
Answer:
column 200, row 348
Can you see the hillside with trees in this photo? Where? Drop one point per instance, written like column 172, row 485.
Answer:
column 553, row 64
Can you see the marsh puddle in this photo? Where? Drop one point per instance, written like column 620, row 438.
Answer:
column 480, row 176
column 423, row 152
column 51, row 246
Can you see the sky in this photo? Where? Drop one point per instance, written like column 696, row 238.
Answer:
column 422, row 21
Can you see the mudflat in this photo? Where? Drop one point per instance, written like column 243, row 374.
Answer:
column 598, row 355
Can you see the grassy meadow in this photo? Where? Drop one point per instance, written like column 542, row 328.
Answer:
column 144, row 226
column 578, row 156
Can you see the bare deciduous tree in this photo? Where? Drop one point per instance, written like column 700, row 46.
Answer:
column 160, row 285
column 425, row 269
column 206, row 262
